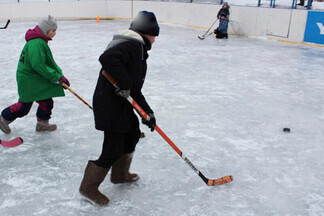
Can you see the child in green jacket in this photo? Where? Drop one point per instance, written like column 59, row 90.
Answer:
column 38, row 77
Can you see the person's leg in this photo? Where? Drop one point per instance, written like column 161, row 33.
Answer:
column 96, row 171
column 9, row 114
column 219, row 34
column 131, row 140
column 301, row 2
column 43, row 115
column 120, row 169
column 89, row 188
column 112, row 149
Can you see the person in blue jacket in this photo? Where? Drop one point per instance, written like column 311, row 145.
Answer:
column 224, row 10
column 221, row 31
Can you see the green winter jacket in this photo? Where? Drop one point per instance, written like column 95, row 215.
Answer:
column 37, row 73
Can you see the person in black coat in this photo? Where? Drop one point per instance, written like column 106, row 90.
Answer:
column 125, row 61
column 224, row 10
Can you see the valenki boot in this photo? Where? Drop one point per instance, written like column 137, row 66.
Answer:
column 93, row 177
column 120, row 170
column 45, row 126
column 4, row 125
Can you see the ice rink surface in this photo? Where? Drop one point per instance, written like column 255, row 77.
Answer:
column 224, row 103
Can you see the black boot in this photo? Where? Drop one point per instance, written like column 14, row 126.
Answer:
column 93, row 177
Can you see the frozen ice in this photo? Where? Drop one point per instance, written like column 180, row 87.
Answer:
column 224, row 103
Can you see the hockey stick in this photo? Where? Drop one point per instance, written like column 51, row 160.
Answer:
column 203, row 36
column 65, row 86
column 6, row 25
column 12, row 143
column 209, row 182
column 81, row 99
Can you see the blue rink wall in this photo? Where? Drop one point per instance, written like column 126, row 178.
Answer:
column 314, row 32
column 283, row 24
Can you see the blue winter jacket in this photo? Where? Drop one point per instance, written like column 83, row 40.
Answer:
column 223, row 25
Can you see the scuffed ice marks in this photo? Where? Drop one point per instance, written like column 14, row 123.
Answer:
column 314, row 203
column 224, row 104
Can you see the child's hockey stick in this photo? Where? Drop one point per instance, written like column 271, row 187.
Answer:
column 6, row 25
column 209, row 182
column 81, row 99
column 67, row 87
column 12, row 143
column 203, row 36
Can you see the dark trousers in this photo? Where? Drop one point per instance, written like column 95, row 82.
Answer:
column 302, row 2
column 220, row 34
column 115, row 144
column 20, row 109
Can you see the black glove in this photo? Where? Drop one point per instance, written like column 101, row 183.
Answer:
column 122, row 93
column 151, row 123
column 215, row 31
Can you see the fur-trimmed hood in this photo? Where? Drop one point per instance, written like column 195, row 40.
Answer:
column 130, row 35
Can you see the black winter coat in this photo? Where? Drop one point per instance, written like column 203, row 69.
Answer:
column 223, row 11
column 125, row 60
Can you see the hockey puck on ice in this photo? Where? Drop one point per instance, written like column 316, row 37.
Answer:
column 287, row 130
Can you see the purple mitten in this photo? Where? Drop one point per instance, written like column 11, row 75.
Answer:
column 64, row 80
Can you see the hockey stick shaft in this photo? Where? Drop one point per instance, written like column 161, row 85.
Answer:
column 81, row 99
column 209, row 182
column 209, row 28
column 202, row 38
column 6, row 25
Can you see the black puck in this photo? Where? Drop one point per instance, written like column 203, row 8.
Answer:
column 287, row 130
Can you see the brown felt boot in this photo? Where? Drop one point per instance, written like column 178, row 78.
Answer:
column 45, row 126
column 93, row 177
column 4, row 125
column 120, row 170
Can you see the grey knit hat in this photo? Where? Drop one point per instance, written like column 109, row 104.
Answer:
column 145, row 22
column 47, row 24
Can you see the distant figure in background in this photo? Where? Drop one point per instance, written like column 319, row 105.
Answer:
column 224, row 10
column 38, row 77
column 302, row 2
column 221, row 31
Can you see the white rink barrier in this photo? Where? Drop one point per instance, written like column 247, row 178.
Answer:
column 278, row 23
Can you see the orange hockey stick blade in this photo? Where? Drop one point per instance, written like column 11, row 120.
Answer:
column 220, row 181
